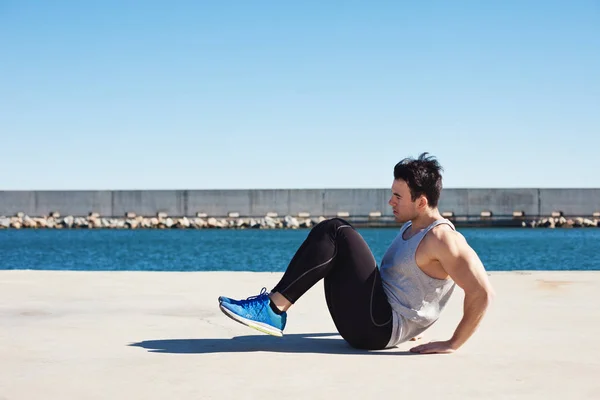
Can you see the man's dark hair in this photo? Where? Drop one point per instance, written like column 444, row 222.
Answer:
column 423, row 177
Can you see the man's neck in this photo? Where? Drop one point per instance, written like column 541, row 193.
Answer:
column 425, row 219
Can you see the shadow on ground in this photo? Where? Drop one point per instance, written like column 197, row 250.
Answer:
column 325, row 343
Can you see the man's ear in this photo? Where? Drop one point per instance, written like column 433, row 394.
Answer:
column 422, row 202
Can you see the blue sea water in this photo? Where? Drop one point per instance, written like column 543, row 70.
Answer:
column 271, row 250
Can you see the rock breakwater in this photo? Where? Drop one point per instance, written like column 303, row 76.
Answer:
column 562, row 222
column 161, row 221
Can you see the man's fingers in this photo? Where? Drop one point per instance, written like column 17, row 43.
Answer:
column 421, row 349
column 428, row 348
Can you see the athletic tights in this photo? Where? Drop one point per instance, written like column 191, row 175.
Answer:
column 335, row 252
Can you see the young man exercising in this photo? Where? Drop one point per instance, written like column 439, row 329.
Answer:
column 376, row 308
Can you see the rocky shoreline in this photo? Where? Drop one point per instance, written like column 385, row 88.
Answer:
column 163, row 221
column 562, row 222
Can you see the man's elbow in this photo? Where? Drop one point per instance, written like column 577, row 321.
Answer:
column 483, row 296
column 487, row 296
column 490, row 296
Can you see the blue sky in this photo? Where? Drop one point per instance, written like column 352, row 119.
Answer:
column 311, row 94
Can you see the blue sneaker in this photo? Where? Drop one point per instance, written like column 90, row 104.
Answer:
column 223, row 299
column 255, row 312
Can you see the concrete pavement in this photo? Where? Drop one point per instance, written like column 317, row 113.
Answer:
column 157, row 335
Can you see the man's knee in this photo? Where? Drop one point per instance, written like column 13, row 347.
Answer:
column 335, row 222
column 329, row 227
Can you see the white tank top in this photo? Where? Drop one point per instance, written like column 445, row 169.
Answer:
column 416, row 298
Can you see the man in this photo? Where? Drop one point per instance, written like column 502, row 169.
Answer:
column 376, row 308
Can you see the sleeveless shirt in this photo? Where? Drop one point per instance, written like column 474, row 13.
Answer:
column 416, row 298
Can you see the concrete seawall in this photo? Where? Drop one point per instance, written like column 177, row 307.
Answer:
column 495, row 203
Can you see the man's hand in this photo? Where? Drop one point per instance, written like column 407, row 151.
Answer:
column 434, row 347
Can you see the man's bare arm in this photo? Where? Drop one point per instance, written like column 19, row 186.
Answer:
column 461, row 262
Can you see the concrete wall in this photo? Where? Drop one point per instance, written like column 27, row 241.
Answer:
column 316, row 202
column 499, row 201
column 14, row 202
column 218, row 202
column 571, row 202
column 148, row 203
column 65, row 202
column 72, row 202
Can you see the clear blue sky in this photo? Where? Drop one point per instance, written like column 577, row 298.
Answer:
column 297, row 94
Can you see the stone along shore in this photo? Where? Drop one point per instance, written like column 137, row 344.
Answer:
column 562, row 222
column 161, row 221
column 201, row 221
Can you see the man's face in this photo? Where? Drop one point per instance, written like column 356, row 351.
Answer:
column 404, row 208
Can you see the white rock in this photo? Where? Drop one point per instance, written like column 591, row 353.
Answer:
column 200, row 223
column 270, row 223
column 184, row 222
column 79, row 222
column 212, row 222
column 28, row 222
column 307, row 223
column 291, row 222
column 41, row 222
column 68, row 221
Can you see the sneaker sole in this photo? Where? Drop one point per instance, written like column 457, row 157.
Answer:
column 259, row 326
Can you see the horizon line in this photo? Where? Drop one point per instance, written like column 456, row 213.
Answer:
column 301, row 188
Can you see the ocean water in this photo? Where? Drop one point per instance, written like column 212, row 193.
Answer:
column 500, row 249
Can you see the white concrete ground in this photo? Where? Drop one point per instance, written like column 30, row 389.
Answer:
column 155, row 335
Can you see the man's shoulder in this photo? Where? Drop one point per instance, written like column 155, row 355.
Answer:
column 443, row 231
column 444, row 236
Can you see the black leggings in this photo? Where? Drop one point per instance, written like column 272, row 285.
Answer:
column 335, row 251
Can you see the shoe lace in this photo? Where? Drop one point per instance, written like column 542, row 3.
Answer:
column 256, row 303
column 262, row 294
